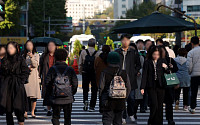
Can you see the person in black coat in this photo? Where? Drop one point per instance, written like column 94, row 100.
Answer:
column 154, row 82
column 112, row 108
column 130, row 62
column 59, row 103
column 14, row 74
column 169, row 90
column 46, row 62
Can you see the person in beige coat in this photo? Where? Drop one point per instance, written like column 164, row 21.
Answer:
column 33, row 86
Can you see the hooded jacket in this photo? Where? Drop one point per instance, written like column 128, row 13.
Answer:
column 182, row 72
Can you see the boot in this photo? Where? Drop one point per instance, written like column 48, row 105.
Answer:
column 55, row 121
column 177, row 105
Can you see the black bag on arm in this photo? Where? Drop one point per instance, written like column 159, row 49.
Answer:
column 88, row 65
column 62, row 85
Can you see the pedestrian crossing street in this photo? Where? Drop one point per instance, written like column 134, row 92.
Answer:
column 80, row 117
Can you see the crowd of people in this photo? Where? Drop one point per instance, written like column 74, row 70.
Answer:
column 123, row 79
column 143, row 66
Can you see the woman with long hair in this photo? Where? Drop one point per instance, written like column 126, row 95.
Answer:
column 169, row 90
column 153, row 81
column 33, row 87
column 46, row 62
column 14, row 74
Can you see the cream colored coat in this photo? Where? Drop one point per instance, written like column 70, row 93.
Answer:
column 33, row 85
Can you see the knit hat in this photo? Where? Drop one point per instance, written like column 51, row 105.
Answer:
column 113, row 58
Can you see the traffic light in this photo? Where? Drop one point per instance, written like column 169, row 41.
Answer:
column 2, row 10
column 104, row 37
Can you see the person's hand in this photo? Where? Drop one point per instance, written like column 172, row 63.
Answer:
column 30, row 54
column 142, row 91
column 138, row 74
column 176, row 87
column 164, row 65
column 171, row 66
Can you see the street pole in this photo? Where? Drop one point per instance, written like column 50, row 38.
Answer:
column 49, row 26
column 83, row 19
column 44, row 15
column 27, row 8
column 178, row 34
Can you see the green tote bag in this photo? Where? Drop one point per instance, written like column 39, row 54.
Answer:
column 171, row 79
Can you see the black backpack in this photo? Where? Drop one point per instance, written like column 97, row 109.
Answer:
column 62, row 86
column 88, row 65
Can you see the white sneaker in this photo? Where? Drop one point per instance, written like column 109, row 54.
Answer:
column 123, row 121
column 132, row 119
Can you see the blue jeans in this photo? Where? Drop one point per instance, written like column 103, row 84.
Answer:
column 130, row 105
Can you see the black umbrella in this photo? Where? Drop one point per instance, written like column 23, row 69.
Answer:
column 42, row 41
column 156, row 23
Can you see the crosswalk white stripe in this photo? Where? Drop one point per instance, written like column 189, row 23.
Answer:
column 80, row 117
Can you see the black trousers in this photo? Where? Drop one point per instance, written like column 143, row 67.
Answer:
column 156, row 96
column 194, row 90
column 9, row 117
column 67, row 109
column 185, row 95
column 169, row 100
column 87, row 79
column 136, row 105
column 112, row 117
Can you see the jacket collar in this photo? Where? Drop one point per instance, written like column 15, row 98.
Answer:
column 60, row 63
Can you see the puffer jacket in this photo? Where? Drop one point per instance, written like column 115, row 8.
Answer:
column 193, row 62
column 107, row 75
column 182, row 72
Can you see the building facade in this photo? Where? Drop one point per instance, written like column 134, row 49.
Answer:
column 192, row 7
column 121, row 6
column 80, row 9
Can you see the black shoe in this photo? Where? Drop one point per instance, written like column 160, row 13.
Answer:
column 135, row 116
column 49, row 113
column 85, row 108
column 91, row 109
column 142, row 111
column 171, row 122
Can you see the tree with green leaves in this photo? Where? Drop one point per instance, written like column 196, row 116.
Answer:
column 11, row 25
column 110, row 43
column 191, row 33
column 88, row 31
column 77, row 48
column 55, row 9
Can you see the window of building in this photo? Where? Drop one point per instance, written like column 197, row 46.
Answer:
column 123, row 12
column 123, row 6
column 195, row 8
column 123, row 0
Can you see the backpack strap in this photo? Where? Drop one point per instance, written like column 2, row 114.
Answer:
column 57, row 72
column 94, row 53
column 65, row 71
column 87, row 52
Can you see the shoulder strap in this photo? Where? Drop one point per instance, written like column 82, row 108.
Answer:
column 87, row 52
column 94, row 53
column 65, row 71
column 57, row 72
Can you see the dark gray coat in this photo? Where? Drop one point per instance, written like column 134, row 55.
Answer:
column 133, row 65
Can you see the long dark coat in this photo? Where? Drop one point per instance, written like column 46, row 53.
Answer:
column 133, row 65
column 43, row 70
column 12, row 91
